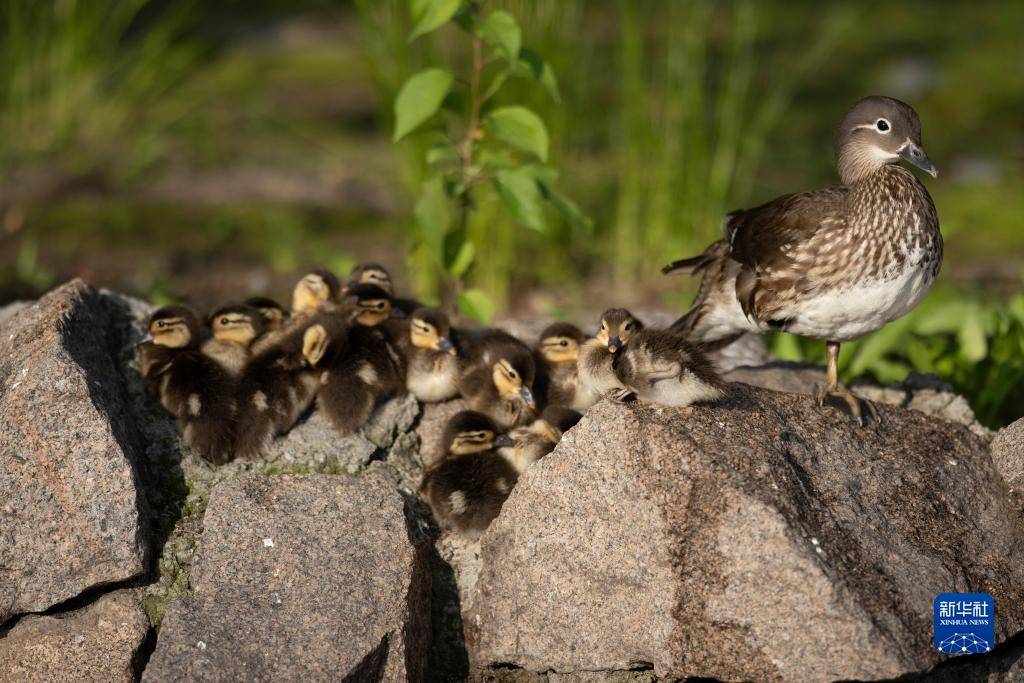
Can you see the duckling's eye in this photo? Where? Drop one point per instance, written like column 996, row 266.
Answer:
column 882, row 125
column 161, row 324
column 563, row 343
column 513, row 374
column 224, row 321
column 629, row 327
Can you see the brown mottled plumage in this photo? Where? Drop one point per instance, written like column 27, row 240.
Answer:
column 430, row 359
column 538, row 439
column 831, row 264
column 466, row 490
column 234, row 329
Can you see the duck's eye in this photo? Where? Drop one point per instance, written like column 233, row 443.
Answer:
column 629, row 327
column 563, row 343
column 161, row 324
column 224, row 321
column 882, row 125
column 512, row 374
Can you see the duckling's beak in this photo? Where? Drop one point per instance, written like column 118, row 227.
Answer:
column 444, row 345
column 528, row 396
column 504, row 441
column 913, row 154
column 614, row 344
column 148, row 339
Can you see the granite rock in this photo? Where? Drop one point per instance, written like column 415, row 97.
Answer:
column 72, row 516
column 95, row 643
column 764, row 539
column 307, row 577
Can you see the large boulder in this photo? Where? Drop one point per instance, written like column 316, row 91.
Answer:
column 764, row 539
column 302, row 577
column 70, row 510
column 96, row 643
column 1008, row 455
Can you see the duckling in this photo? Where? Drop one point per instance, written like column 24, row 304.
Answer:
column 274, row 315
column 660, row 366
column 497, row 380
column 430, row 359
column 195, row 388
column 556, row 356
column 234, row 329
column 316, row 291
column 376, row 274
column 277, row 387
column 368, row 305
column 540, row 438
column 357, row 368
column 466, row 490
column 595, row 362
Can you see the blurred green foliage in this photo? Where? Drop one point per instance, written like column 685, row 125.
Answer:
column 152, row 144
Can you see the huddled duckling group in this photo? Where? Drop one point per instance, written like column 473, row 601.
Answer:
column 255, row 368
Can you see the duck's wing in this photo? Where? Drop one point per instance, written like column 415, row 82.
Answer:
column 775, row 243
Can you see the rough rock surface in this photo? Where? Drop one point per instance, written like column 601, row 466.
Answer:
column 1008, row 455
column 761, row 539
column 925, row 393
column 70, row 510
column 95, row 643
column 302, row 577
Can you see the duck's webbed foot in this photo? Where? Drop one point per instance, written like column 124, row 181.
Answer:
column 860, row 409
column 621, row 395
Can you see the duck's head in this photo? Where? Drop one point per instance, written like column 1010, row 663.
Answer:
column 512, row 374
column 472, row 432
column 370, row 304
column 239, row 324
column 429, row 328
column 273, row 313
column 175, row 327
column 560, row 343
column 314, row 344
column 617, row 327
column 314, row 290
column 560, row 419
column 878, row 131
column 371, row 274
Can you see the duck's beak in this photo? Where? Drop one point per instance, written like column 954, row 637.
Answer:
column 913, row 154
column 614, row 344
column 148, row 339
column 528, row 396
column 504, row 441
column 445, row 345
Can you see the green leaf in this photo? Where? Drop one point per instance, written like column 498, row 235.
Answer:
column 518, row 189
column 532, row 65
column 520, row 128
column 567, row 208
column 428, row 15
column 442, row 153
column 477, row 305
column 463, row 259
column 492, row 160
column 500, row 30
column 431, row 212
column 419, row 98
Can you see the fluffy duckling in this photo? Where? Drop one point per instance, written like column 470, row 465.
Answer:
column 498, row 379
column 276, row 387
column 376, row 274
column 234, row 329
column 315, row 290
column 540, row 438
column 660, row 366
column 357, row 368
column 556, row 356
column 466, row 490
column 368, row 305
column 595, row 362
column 195, row 388
column 431, row 360
column 273, row 313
